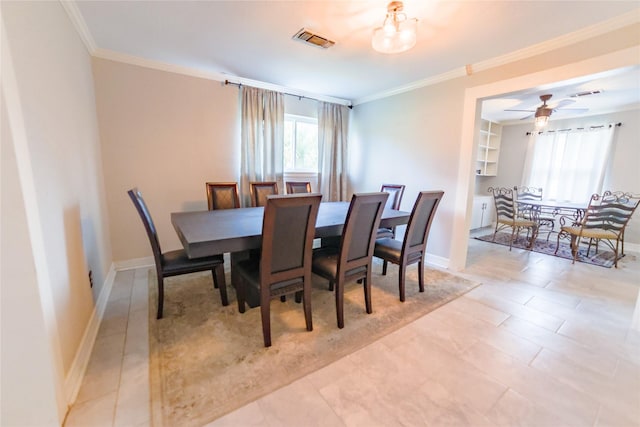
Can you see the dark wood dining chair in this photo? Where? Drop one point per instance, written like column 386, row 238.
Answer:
column 413, row 248
column 393, row 202
column 284, row 266
column 298, row 187
column 175, row 263
column 352, row 259
column 222, row 195
column 260, row 191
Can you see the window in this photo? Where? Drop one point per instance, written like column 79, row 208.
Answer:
column 300, row 144
column 570, row 165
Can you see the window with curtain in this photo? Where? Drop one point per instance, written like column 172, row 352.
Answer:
column 300, row 144
column 569, row 165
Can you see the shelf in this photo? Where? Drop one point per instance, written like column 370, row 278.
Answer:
column 488, row 149
column 485, row 132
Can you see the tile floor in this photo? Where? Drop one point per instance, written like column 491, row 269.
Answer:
column 542, row 342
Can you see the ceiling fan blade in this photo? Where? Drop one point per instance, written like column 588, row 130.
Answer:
column 563, row 102
column 572, row 110
column 528, row 116
column 528, row 111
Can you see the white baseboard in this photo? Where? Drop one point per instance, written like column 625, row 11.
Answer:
column 73, row 380
column 437, row 261
column 134, row 263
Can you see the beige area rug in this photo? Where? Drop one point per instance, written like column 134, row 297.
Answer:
column 207, row 360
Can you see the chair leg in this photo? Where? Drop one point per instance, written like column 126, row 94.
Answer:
column 575, row 241
column 266, row 321
column 283, row 298
column 298, row 297
column 306, row 303
column 331, row 285
column 339, row 302
column 240, row 294
column 513, row 232
column 421, row 275
column 160, row 296
column 384, row 267
column 558, row 243
column 367, row 291
column 401, row 282
column 219, row 282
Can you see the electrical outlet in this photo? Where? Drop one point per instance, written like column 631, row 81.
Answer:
column 90, row 279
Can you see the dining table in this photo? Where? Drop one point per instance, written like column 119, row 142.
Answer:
column 238, row 231
column 206, row 233
column 572, row 210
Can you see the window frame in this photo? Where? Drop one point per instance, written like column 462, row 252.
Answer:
column 303, row 119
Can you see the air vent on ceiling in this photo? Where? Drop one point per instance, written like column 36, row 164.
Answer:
column 585, row 93
column 307, row 36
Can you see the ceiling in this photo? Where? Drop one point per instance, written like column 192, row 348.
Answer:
column 599, row 94
column 253, row 39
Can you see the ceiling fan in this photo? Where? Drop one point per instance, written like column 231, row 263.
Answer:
column 543, row 112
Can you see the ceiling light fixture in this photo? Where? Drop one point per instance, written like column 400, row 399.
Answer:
column 397, row 34
column 542, row 113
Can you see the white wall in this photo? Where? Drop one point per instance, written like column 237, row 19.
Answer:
column 51, row 117
column 167, row 134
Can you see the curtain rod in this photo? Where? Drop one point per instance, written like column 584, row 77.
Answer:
column 566, row 130
column 227, row 82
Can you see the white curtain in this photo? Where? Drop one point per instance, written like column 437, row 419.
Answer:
column 569, row 165
column 262, row 135
column 333, row 128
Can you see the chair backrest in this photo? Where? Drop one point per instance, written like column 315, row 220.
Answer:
column 528, row 193
column 288, row 229
column 298, row 187
column 260, row 191
column 395, row 195
column 610, row 211
column 360, row 229
column 424, row 209
column 222, row 195
column 145, row 216
column 503, row 199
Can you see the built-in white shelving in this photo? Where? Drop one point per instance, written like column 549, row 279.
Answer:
column 488, row 149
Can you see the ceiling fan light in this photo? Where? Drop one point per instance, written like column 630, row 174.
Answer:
column 541, row 121
column 397, row 34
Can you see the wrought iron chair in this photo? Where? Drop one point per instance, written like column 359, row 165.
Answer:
column 284, row 266
column 412, row 250
column 175, row 263
column 507, row 217
column 298, row 187
column 605, row 220
column 545, row 220
column 393, row 202
column 222, row 195
column 352, row 259
column 260, row 191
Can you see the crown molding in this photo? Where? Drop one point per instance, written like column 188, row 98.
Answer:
column 79, row 23
column 449, row 75
column 583, row 34
column 221, row 77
